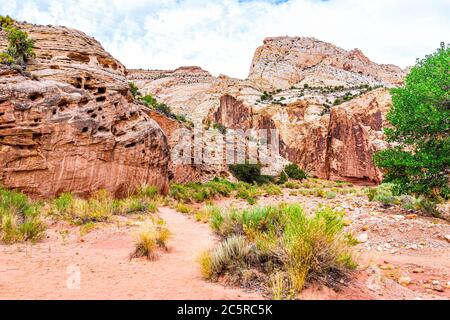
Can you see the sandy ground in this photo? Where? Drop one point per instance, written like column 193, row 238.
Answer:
column 403, row 257
column 49, row 270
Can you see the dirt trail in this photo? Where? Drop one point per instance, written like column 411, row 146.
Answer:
column 43, row 270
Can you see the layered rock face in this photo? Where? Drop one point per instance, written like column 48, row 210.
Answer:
column 74, row 127
column 319, row 98
column 286, row 61
column 355, row 133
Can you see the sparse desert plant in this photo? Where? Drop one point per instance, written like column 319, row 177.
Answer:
column 20, row 46
column 152, row 207
column 294, row 172
column 233, row 254
column 247, row 172
column 182, row 208
column 20, row 218
column 330, row 195
column 5, row 22
column 283, row 178
column 204, row 215
column 288, row 246
column 272, row 190
column 99, row 208
column 292, row 185
column 134, row 89
column 131, row 205
column 151, row 236
column 147, row 191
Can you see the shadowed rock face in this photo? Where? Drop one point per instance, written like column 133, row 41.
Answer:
column 76, row 128
column 338, row 146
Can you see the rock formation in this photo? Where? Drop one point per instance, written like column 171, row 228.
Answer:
column 74, row 125
column 286, row 61
column 319, row 97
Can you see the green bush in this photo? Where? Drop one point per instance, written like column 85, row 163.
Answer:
column 247, row 172
column 20, row 218
column 420, row 127
column 6, row 22
column 281, row 240
column 283, row 178
column 294, row 172
column 20, row 46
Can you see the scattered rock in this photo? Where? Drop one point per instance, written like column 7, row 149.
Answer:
column 418, row 270
column 362, row 238
column 447, row 237
column 404, row 281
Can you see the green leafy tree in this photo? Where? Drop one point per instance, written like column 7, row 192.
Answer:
column 420, row 117
column 20, row 46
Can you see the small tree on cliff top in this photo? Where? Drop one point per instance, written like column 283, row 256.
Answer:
column 420, row 118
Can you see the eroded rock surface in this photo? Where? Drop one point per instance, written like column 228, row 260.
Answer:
column 286, row 61
column 75, row 127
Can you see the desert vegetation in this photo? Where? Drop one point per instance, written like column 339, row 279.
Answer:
column 21, row 219
column 151, row 236
column 280, row 248
column 418, row 165
column 20, row 45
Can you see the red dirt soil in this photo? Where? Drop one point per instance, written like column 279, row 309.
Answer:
column 42, row 271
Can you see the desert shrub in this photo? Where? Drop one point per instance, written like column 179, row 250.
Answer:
column 294, row 172
column 292, row 185
column 283, row 178
column 204, row 215
column 248, row 192
column 20, row 46
column 247, row 172
column 99, row 208
column 130, row 206
column 134, row 89
column 221, row 128
column 282, row 242
column 5, row 22
column 148, row 192
column 182, row 208
column 272, row 189
column 330, row 195
column 232, row 255
column 151, row 236
column 377, row 193
column 6, row 58
column 152, row 207
column 201, row 192
column 63, row 203
column 20, row 218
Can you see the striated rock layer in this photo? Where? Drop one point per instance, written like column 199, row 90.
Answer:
column 286, row 61
column 74, row 126
column 297, row 86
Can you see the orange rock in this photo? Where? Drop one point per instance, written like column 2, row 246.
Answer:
column 77, row 129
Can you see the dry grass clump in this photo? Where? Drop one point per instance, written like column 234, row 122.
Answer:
column 150, row 237
column 102, row 206
column 290, row 248
column 20, row 218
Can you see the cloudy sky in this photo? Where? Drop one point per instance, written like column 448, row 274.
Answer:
column 221, row 35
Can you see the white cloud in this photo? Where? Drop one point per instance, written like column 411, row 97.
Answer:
column 221, row 36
